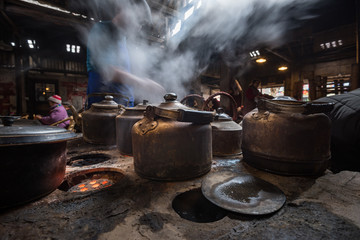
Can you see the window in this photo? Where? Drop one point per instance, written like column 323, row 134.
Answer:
column 305, row 93
column 188, row 13
column 176, row 28
column 31, row 43
column 43, row 91
column 332, row 44
column 275, row 91
column 73, row 48
column 255, row 53
column 337, row 84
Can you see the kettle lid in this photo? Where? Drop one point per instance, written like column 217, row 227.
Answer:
column 171, row 103
column 139, row 107
column 107, row 103
column 242, row 193
column 221, row 115
column 21, row 134
column 174, row 110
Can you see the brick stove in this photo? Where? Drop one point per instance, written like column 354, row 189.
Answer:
column 137, row 208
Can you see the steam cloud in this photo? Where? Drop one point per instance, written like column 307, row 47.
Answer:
column 232, row 28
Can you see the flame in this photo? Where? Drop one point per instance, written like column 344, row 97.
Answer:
column 84, row 189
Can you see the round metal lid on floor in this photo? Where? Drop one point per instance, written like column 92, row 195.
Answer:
column 242, row 193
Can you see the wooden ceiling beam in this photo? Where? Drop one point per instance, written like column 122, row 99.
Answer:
column 42, row 13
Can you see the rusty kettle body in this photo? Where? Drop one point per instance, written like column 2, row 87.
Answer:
column 172, row 142
column 226, row 135
column 124, row 124
column 287, row 137
column 98, row 123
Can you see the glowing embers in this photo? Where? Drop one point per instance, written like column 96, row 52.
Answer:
column 193, row 206
column 90, row 185
column 91, row 180
column 88, row 159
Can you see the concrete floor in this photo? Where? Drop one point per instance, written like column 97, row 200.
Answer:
column 327, row 207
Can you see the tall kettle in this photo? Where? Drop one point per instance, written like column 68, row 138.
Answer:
column 226, row 135
column 98, row 123
column 124, row 123
column 172, row 142
column 287, row 137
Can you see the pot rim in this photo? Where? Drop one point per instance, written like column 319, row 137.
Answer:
column 294, row 106
column 24, row 135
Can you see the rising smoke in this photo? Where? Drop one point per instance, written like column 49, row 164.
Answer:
column 230, row 27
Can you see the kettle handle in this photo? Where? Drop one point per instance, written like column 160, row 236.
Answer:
column 195, row 116
column 318, row 107
column 184, row 115
column 234, row 105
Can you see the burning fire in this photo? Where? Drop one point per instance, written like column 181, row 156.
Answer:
column 91, row 185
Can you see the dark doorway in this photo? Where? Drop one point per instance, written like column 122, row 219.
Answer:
column 39, row 91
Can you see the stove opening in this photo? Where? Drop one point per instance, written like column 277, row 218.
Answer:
column 91, row 180
column 88, row 159
column 193, row 206
column 91, row 184
column 72, row 152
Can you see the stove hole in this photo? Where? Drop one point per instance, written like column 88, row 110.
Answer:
column 72, row 152
column 88, row 159
column 91, row 180
column 193, row 206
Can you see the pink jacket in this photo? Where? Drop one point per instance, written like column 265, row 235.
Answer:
column 57, row 113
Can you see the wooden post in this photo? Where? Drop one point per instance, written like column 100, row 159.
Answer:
column 290, row 82
column 224, row 84
column 312, row 87
column 355, row 78
column 19, row 79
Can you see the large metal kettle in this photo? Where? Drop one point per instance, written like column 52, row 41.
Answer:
column 287, row 137
column 226, row 135
column 98, row 123
column 172, row 142
column 124, row 123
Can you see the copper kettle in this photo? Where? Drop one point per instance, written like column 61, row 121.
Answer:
column 287, row 137
column 124, row 123
column 98, row 123
column 226, row 135
column 172, row 141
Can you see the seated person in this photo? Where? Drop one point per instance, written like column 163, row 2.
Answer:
column 57, row 113
column 252, row 94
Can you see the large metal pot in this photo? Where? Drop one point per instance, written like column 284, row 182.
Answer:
column 172, row 142
column 124, row 124
column 33, row 161
column 287, row 137
column 226, row 135
column 98, row 123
